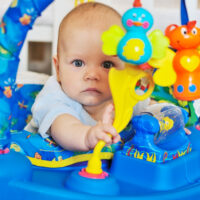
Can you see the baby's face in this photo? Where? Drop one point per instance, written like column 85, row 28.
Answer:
column 83, row 68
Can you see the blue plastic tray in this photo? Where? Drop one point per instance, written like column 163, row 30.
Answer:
column 138, row 179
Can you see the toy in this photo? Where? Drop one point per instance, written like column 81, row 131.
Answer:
column 182, row 67
column 125, row 98
column 135, row 47
column 136, row 178
column 154, row 140
column 185, row 39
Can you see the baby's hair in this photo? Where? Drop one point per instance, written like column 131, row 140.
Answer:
column 88, row 13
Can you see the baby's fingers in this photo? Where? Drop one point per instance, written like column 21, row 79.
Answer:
column 105, row 137
column 107, row 128
column 108, row 114
column 116, row 138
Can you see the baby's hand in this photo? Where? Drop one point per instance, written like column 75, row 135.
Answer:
column 101, row 130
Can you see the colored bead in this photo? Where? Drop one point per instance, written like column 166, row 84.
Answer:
column 180, row 88
column 192, row 88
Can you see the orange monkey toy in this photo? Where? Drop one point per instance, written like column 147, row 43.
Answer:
column 186, row 63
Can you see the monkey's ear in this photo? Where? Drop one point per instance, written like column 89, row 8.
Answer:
column 191, row 25
column 170, row 28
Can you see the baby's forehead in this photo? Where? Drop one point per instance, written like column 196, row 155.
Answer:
column 91, row 18
column 87, row 17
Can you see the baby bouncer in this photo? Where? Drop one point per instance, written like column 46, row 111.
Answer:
column 160, row 161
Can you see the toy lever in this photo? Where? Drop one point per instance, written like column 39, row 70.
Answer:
column 123, row 89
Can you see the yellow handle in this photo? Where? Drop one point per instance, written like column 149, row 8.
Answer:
column 94, row 164
column 122, row 85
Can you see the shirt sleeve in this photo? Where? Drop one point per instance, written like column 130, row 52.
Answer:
column 49, row 104
column 44, row 118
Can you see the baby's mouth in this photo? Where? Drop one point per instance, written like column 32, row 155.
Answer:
column 92, row 90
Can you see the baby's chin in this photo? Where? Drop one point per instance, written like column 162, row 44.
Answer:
column 95, row 102
column 91, row 103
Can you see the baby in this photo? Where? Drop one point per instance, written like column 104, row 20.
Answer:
column 75, row 106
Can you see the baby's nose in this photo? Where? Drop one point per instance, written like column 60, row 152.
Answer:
column 92, row 74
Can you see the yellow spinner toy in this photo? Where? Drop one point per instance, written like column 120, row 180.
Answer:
column 125, row 97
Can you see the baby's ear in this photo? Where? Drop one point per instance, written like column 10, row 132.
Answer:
column 56, row 65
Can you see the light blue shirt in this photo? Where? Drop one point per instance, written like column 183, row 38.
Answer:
column 52, row 102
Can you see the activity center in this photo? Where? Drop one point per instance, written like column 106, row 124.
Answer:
column 156, row 158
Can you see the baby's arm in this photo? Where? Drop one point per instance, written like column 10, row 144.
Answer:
column 71, row 134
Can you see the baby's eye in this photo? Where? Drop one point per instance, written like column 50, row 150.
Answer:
column 78, row 63
column 107, row 64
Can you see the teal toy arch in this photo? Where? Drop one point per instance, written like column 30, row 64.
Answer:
column 16, row 100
